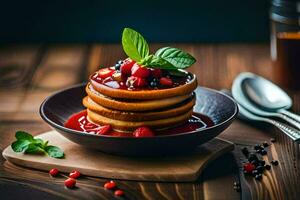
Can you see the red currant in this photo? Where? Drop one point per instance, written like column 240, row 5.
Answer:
column 54, row 172
column 70, row 183
column 119, row 193
column 74, row 174
column 248, row 167
column 110, row 185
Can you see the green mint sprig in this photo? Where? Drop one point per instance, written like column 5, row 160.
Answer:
column 134, row 44
column 28, row 144
column 137, row 48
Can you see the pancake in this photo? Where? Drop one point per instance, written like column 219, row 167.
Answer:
column 127, row 126
column 131, row 105
column 180, row 90
column 176, row 110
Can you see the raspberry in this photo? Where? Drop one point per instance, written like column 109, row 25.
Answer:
column 138, row 71
column 143, row 132
column 126, row 67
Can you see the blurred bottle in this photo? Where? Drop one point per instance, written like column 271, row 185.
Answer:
column 285, row 42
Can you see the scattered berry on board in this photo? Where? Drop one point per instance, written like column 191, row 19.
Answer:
column 119, row 193
column 256, row 165
column 70, row 183
column 74, row 174
column 110, row 185
column 54, row 172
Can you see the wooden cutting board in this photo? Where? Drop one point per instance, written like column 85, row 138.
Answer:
column 182, row 168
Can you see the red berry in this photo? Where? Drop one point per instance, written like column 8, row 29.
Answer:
column 126, row 67
column 138, row 71
column 70, row 183
column 136, row 82
column 166, row 81
column 103, row 130
column 119, row 193
column 248, row 167
column 110, row 185
column 156, row 73
column 74, row 174
column 105, row 72
column 140, row 82
column 143, row 132
column 53, row 172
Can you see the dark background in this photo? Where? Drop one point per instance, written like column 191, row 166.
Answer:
column 159, row 21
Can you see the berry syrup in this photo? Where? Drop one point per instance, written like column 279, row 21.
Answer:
column 79, row 122
column 121, row 84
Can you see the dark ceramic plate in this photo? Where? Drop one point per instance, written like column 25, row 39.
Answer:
column 56, row 109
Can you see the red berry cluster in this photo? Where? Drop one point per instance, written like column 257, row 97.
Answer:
column 135, row 75
column 255, row 165
column 111, row 185
column 70, row 182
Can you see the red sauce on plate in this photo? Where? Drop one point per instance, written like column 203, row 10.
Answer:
column 79, row 122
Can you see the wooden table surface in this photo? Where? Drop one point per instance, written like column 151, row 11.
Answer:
column 29, row 73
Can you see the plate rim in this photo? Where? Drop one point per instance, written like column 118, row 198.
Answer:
column 68, row 130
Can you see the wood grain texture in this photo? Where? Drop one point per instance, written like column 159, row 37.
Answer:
column 217, row 66
column 184, row 168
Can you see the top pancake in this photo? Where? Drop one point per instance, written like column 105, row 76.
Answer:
column 180, row 90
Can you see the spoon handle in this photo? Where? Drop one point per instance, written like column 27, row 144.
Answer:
column 289, row 120
column 289, row 131
column 291, row 115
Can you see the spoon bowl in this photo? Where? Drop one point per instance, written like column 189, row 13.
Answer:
column 264, row 93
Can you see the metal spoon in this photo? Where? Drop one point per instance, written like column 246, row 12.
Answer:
column 244, row 114
column 267, row 95
column 289, row 131
column 240, row 96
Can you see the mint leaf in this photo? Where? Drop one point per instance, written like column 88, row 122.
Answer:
column 20, row 145
column 178, row 58
column 34, row 149
column 39, row 142
column 156, row 62
column 22, row 135
column 54, row 152
column 28, row 144
column 134, row 45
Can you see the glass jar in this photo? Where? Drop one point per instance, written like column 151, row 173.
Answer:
column 285, row 42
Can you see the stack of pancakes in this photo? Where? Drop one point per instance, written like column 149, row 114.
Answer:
column 126, row 110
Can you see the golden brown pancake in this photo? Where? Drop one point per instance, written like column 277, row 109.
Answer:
column 132, row 125
column 176, row 110
column 180, row 90
column 131, row 105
